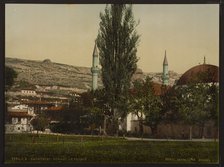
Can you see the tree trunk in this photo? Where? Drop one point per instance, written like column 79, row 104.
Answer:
column 172, row 132
column 140, row 128
column 115, row 123
column 104, row 125
column 154, row 131
column 216, row 135
column 190, row 136
column 202, row 131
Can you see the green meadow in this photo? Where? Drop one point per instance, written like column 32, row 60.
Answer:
column 46, row 148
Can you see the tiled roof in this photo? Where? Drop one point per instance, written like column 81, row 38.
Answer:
column 19, row 114
column 204, row 73
column 158, row 89
column 36, row 102
column 54, row 108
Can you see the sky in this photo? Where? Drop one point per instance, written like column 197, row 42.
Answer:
column 65, row 33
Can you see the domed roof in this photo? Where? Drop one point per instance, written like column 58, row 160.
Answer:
column 204, row 73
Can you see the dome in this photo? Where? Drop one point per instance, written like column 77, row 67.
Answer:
column 204, row 73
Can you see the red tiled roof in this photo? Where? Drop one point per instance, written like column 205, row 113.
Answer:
column 204, row 73
column 19, row 114
column 36, row 102
column 53, row 108
column 158, row 89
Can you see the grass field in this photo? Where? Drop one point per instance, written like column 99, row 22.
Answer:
column 29, row 148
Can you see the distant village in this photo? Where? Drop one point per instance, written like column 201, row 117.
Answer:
column 27, row 102
column 24, row 104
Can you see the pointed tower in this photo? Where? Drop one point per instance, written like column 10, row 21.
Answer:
column 95, row 68
column 204, row 60
column 165, row 76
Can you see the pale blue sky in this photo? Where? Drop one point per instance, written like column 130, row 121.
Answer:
column 66, row 34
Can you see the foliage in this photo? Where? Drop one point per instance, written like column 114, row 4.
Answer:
column 170, row 106
column 153, row 107
column 10, row 75
column 137, row 100
column 213, row 106
column 83, row 115
column 143, row 100
column 197, row 103
column 117, row 41
column 25, row 85
column 40, row 122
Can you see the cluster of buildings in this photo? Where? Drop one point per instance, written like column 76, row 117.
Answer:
column 168, row 130
column 24, row 105
column 22, row 110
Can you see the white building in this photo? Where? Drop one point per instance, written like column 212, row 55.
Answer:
column 18, row 119
column 28, row 92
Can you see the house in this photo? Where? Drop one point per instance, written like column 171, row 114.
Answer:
column 28, row 92
column 18, row 119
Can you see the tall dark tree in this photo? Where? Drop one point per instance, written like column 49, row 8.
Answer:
column 214, row 105
column 195, row 105
column 198, row 101
column 117, row 43
column 40, row 122
column 10, row 75
column 152, row 107
column 137, row 99
column 146, row 105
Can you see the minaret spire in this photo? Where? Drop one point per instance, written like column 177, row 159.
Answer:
column 95, row 52
column 95, row 68
column 165, row 75
column 165, row 62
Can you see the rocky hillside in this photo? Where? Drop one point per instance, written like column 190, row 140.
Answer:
column 47, row 72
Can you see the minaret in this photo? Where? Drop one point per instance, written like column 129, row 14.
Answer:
column 95, row 68
column 165, row 76
column 204, row 60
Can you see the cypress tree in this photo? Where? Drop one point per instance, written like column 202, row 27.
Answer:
column 117, row 42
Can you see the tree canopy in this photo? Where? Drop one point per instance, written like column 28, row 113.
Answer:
column 117, row 42
column 10, row 75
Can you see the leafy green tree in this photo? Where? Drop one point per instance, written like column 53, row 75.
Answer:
column 10, row 75
column 213, row 105
column 145, row 102
column 213, row 100
column 117, row 43
column 101, row 102
column 170, row 107
column 93, row 103
column 40, row 122
column 136, row 102
column 152, row 107
column 198, row 101
column 194, row 103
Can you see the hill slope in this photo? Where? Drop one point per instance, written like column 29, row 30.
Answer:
column 50, row 73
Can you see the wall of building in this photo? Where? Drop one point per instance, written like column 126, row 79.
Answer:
column 28, row 92
column 177, row 131
column 18, row 128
